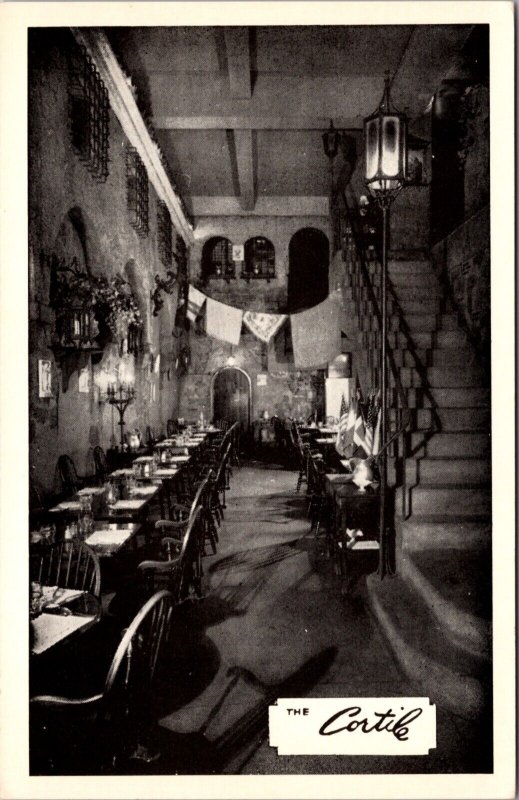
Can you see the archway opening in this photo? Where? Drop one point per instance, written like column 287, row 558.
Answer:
column 308, row 257
column 232, row 397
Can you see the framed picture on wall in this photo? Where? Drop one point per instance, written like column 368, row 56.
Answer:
column 45, row 377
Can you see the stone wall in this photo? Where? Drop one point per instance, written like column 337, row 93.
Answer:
column 70, row 214
column 462, row 260
column 286, row 391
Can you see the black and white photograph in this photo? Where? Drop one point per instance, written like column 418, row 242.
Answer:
column 264, row 472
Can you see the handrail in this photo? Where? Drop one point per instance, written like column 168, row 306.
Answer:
column 404, row 327
column 404, row 418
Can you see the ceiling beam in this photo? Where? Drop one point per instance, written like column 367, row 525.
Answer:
column 245, row 164
column 125, row 109
column 257, row 123
column 268, row 206
column 238, row 61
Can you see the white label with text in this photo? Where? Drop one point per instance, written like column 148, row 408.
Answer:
column 353, row 726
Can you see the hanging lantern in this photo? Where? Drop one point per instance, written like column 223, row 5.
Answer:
column 331, row 141
column 76, row 326
column 385, row 138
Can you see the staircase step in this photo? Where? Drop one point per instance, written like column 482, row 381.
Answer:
column 460, row 397
column 453, row 356
column 448, row 322
column 449, row 676
column 409, row 267
column 419, row 339
column 405, row 282
column 451, row 338
column 418, row 534
column 425, row 305
column 455, row 377
column 453, row 470
column 457, row 588
column 421, row 322
column 446, row 445
column 451, row 500
column 454, row 419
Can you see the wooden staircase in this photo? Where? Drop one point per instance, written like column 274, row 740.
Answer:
column 436, row 611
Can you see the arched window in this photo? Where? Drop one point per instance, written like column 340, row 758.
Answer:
column 260, row 259
column 307, row 270
column 217, row 259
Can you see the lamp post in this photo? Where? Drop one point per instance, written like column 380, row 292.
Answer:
column 385, row 142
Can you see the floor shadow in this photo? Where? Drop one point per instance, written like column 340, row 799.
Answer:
column 197, row 753
column 257, row 557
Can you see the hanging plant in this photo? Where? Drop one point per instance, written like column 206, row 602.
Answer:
column 109, row 303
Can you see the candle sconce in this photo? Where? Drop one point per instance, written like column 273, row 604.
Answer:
column 120, row 397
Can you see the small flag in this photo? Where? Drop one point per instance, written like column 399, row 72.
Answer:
column 345, row 430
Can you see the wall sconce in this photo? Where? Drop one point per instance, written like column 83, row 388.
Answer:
column 231, row 358
column 162, row 285
column 331, row 139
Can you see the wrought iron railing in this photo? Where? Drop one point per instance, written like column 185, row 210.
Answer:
column 349, row 237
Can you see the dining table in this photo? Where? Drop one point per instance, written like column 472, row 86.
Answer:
column 62, row 614
column 109, row 538
column 353, row 517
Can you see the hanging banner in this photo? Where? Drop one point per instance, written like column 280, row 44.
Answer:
column 316, row 334
column 223, row 322
column 195, row 301
column 264, row 326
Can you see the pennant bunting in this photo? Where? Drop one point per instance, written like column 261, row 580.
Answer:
column 263, row 326
column 223, row 322
column 195, row 302
column 316, row 334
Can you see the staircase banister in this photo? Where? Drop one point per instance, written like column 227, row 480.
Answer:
column 369, row 286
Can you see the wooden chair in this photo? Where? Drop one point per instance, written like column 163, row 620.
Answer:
column 67, row 473
column 179, row 569
column 171, row 428
column 316, row 493
column 70, row 565
column 113, row 723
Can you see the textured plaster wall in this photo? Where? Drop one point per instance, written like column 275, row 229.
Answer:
column 72, row 422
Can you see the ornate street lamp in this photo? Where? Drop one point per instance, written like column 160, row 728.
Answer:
column 385, row 145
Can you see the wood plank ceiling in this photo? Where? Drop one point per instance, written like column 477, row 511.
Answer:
column 239, row 111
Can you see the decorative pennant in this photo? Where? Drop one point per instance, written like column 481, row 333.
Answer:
column 195, row 302
column 223, row 322
column 316, row 334
column 263, row 326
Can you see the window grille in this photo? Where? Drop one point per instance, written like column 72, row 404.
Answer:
column 88, row 111
column 164, row 231
column 137, row 191
column 260, row 259
column 217, row 260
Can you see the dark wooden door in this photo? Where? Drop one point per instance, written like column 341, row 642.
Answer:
column 231, row 397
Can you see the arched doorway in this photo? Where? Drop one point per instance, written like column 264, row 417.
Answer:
column 231, row 396
column 308, row 256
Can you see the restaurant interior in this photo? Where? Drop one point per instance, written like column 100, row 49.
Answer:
column 259, row 403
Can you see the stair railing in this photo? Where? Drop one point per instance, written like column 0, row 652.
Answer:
column 348, row 236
